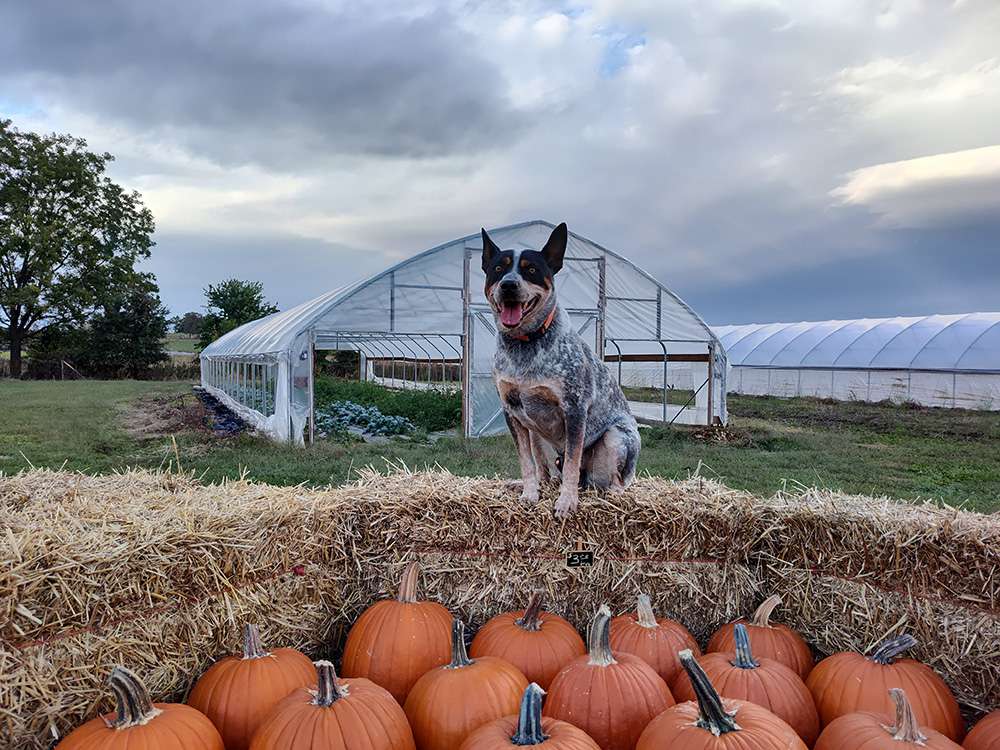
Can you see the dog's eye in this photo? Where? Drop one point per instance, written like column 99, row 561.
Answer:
column 498, row 269
column 531, row 270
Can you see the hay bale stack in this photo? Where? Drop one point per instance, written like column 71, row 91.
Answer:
column 157, row 571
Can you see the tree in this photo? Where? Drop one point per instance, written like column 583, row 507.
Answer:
column 69, row 237
column 126, row 338
column 231, row 304
column 189, row 323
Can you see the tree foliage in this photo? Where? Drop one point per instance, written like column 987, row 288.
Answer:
column 69, row 236
column 230, row 304
column 123, row 339
column 189, row 323
column 127, row 335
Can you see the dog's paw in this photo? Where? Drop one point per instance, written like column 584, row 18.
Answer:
column 514, row 485
column 566, row 504
column 529, row 495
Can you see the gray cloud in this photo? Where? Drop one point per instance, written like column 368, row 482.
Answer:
column 267, row 83
column 710, row 152
column 292, row 269
column 920, row 272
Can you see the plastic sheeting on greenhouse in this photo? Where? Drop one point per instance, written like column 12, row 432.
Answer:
column 432, row 306
column 934, row 360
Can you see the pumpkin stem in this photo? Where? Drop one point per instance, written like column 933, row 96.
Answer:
column 531, row 619
column 459, row 656
column 712, row 715
column 644, row 612
column 328, row 691
column 762, row 616
column 133, row 703
column 744, row 656
column 252, row 647
column 906, row 728
column 529, row 720
column 893, row 647
column 599, row 638
column 408, row 583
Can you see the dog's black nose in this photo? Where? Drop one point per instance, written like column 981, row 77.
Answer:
column 508, row 286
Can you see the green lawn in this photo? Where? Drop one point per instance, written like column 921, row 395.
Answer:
column 901, row 451
column 180, row 342
column 76, row 422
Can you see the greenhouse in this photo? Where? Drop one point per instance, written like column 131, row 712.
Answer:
column 425, row 323
column 934, row 360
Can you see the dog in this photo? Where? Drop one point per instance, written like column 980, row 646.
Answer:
column 569, row 419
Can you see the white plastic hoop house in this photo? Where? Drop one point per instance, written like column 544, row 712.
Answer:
column 425, row 324
column 934, row 360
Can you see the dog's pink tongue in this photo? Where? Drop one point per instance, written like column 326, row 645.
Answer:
column 510, row 315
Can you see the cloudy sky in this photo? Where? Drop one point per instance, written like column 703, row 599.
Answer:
column 767, row 159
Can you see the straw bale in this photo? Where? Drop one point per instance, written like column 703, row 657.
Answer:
column 925, row 548
column 158, row 571
column 849, row 615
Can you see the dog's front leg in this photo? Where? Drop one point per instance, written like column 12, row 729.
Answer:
column 542, row 468
column 569, row 493
column 529, row 474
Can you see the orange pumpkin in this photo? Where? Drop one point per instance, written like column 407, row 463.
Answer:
column 529, row 728
column 768, row 683
column 237, row 692
column 536, row 642
column 394, row 642
column 448, row 703
column 138, row 722
column 338, row 715
column 846, row 683
column 714, row 723
column 872, row 732
column 771, row 640
column 654, row 641
column 985, row 735
column 612, row 697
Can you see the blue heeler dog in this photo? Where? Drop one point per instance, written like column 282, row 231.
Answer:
column 566, row 413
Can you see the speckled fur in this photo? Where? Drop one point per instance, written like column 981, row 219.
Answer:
column 559, row 399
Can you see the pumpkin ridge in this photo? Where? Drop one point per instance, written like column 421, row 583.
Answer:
column 948, row 709
column 871, row 674
column 388, row 632
column 645, row 685
column 928, row 685
column 383, row 713
column 362, row 720
column 179, row 732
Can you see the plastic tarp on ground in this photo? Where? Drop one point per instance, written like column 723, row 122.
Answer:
column 434, row 301
column 934, row 360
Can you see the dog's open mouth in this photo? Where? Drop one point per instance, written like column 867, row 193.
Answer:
column 512, row 313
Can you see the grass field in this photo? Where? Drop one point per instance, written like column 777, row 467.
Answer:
column 905, row 452
column 180, row 342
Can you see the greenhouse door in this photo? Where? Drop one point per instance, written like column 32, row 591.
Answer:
column 583, row 282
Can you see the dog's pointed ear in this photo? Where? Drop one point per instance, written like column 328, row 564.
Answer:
column 555, row 248
column 490, row 249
